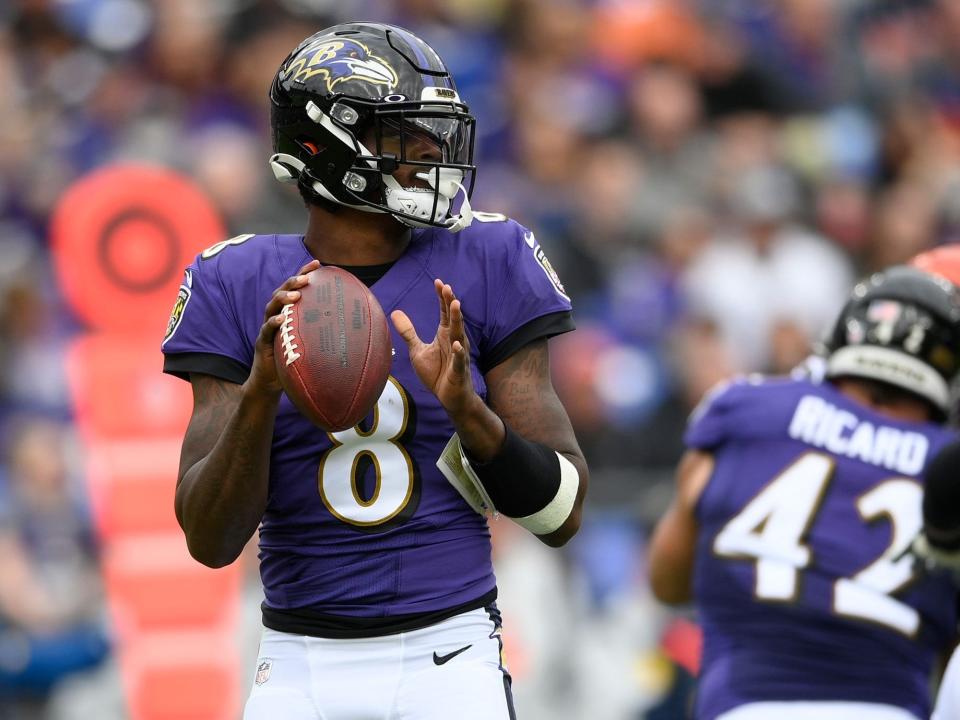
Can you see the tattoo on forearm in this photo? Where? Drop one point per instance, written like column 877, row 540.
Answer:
column 521, row 393
column 224, row 465
column 215, row 401
column 525, row 399
column 210, row 390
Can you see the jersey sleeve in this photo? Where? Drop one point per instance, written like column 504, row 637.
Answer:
column 203, row 334
column 712, row 423
column 528, row 302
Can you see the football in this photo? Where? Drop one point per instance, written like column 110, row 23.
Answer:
column 333, row 350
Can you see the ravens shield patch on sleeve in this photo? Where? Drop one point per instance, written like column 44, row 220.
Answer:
column 179, row 305
column 547, row 268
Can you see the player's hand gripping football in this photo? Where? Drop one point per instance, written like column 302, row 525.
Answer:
column 443, row 365
column 263, row 374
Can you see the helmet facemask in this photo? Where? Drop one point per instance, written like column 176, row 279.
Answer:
column 438, row 148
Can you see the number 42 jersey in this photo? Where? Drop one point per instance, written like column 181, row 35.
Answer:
column 361, row 523
column 801, row 580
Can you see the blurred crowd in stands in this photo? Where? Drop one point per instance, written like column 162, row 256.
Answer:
column 708, row 179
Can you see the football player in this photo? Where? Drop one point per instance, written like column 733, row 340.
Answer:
column 796, row 502
column 937, row 548
column 944, row 551
column 374, row 550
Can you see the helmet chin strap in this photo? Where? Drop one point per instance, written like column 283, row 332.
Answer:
column 465, row 216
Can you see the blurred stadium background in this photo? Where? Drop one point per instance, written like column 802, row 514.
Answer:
column 707, row 177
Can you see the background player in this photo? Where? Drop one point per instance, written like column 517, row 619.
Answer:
column 939, row 549
column 940, row 545
column 794, row 501
column 361, row 536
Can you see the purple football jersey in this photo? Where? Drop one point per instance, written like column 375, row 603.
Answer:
column 362, row 523
column 801, row 582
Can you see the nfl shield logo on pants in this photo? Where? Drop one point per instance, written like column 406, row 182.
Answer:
column 263, row 671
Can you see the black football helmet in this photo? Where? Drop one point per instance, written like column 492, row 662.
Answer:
column 355, row 101
column 901, row 327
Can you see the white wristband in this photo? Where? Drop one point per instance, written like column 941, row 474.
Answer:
column 556, row 512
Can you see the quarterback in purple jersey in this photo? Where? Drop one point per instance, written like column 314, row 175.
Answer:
column 796, row 503
column 374, row 545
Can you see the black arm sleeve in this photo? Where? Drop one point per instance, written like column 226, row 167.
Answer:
column 182, row 364
column 522, row 478
column 545, row 326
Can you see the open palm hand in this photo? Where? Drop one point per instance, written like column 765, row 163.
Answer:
column 442, row 365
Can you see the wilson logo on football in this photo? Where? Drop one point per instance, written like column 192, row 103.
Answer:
column 287, row 338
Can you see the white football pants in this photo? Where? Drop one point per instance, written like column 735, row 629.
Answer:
column 449, row 670
column 826, row 710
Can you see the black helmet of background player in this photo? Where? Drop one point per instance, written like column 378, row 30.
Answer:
column 900, row 327
column 353, row 102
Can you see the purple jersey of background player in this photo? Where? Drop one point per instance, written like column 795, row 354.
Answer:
column 434, row 552
column 802, row 648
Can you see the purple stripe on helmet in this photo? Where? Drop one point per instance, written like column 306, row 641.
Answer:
column 414, row 42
